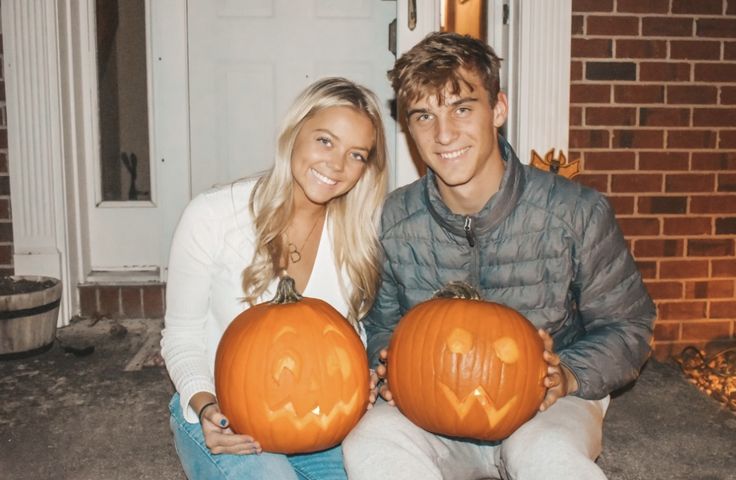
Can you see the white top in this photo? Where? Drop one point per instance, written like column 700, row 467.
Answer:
column 212, row 245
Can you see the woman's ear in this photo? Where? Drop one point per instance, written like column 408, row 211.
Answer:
column 500, row 110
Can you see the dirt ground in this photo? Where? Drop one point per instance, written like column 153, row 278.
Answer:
column 104, row 415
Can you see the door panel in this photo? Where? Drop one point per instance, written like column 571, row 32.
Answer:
column 249, row 59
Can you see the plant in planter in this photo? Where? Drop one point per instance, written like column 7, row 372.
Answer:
column 29, row 309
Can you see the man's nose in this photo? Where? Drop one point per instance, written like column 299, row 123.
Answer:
column 445, row 131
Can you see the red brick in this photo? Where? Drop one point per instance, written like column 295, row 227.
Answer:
column 622, row 205
column 655, row 205
column 688, row 226
column 576, row 71
column 597, row 182
column 636, row 227
column 727, row 139
column 698, row 6
column 691, row 139
column 592, row 6
column 715, row 72
column 6, row 232
column 709, row 289
column 6, row 272
column 88, row 300
column 714, row 161
column 667, row 330
column 713, row 204
column 729, row 50
column 591, row 48
column 595, row 116
column 589, row 138
column 3, row 162
column 695, row 50
column 716, row 27
column 682, row 310
column 728, row 95
column 683, row 269
column 590, row 93
column 610, row 160
column 664, row 290
column 663, row 161
column 153, row 301
column 647, row 269
column 4, row 185
column 638, row 93
column 664, row 71
column 692, row 182
column 576, row 117
column 726, row 226
column 641, row 49
column 705, row 330
column 723, row 267
column 666, row 27
column 727, row 182
column 723, row 309
column 642, row 6
column 659, row 248
column 689, row 94
column 132, row 301
column 714, row 117
column 612, row 25
column 636, row 183
column 664, row 117
column 731, row 8
column 610, row 70
column 109, row 301
column 5, row 213
column 577, row 26
column 637, row 139
column 710, row 248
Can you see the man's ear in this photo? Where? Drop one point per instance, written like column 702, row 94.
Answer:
column 500, row 110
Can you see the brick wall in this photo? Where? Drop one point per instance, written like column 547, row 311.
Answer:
column 653, row 119
column 6, row 225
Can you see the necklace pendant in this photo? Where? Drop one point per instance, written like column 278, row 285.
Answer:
column 294, row 255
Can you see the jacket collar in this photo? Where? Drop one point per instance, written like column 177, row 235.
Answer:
column 498, row 207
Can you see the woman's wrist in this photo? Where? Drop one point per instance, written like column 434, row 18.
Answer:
column 203, row 408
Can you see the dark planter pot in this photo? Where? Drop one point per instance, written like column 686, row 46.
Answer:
column 28, row 318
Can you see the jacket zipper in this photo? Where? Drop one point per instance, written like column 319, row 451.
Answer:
column 468, row 227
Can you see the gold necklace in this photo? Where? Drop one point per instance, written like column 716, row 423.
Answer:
column 295, row 254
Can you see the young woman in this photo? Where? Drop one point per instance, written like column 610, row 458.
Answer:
column 313, row 214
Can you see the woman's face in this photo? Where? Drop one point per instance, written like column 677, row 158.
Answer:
column 331, row 153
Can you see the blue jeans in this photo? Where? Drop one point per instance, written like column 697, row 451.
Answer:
column 200, row 464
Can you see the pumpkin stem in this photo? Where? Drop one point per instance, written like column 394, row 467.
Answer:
column 458, row 289
column 286, row 291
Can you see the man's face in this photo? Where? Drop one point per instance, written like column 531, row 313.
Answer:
column 458, row 139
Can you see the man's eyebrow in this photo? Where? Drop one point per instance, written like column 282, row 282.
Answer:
column 454, row 103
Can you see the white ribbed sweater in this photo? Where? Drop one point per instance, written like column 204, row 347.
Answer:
column 213, row 243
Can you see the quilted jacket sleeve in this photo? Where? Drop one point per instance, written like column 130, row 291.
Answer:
column 614, row 306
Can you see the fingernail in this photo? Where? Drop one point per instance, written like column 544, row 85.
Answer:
column 223, row 422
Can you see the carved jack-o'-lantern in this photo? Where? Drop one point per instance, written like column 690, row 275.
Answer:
column 464, row 367
column 292, row 373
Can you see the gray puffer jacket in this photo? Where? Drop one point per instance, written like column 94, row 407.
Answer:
column 546, row 246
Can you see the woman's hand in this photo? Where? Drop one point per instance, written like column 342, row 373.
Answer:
column 559, row 380
column 218, row 436
column 380, row 385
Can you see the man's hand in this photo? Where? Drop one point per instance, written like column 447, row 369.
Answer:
column 559, row 380
column 379, row 382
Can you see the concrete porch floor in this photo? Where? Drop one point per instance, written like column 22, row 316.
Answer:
column 69, row 417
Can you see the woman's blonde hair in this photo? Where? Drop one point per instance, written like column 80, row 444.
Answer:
column 353, row 216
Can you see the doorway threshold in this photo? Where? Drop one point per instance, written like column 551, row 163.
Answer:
column 124, row 277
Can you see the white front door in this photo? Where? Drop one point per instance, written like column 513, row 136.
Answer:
column 249, row 59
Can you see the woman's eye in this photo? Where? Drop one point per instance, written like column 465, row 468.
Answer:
column 359, row 157
column 324, row 141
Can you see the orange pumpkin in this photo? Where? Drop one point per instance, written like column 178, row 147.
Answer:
column 464, row 367
column 292, row 373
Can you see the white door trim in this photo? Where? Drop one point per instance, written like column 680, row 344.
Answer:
column 36, row 146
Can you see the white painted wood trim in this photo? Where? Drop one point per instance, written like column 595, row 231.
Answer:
column 35, row 143
column 539, row 87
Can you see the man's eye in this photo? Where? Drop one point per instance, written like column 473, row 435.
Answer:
column 422, row 117
column 463, row 110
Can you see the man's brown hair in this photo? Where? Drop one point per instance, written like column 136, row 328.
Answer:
column 434, row 63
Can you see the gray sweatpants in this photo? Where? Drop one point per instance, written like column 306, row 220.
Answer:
column 561, row 443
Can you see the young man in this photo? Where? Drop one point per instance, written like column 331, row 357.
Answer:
column 548, row 247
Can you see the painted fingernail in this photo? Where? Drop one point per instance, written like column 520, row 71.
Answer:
column 223, row 422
